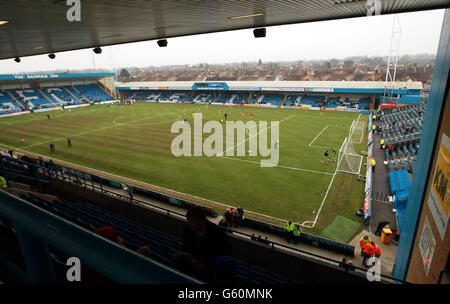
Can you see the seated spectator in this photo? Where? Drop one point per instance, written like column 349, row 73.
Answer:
column 223, row 223
column 204, row 241
column 240, row 216
column 184, row 262
column 89, row 275
column 228, row 217
column 145, row 251
column 233, row 217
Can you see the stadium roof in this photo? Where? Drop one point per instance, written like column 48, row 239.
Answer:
column 41, row 26
column 409, row 85
column 41, row 78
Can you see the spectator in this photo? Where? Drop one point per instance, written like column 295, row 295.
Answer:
column 289, row 229
column 365, row 239
column 223, row 223
column 253, row 237
column 89, row 275
column 229, row 217
column 376, row 252
column 233, row 217
column 204, row 241
column 240, row 216
column 41, row 161
column 145, row 251
column 184, row 262
column 296, row 233
column 367, row 252
column 380, row 227
column 3, row 183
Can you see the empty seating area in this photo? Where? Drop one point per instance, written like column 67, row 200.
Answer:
column 239, row 98
column 162, row 246
column 272, row 98
column 7, row 104
column 292, row 100
column 31, row 97
column 93, row 92
column 314, row 101
column 401, row 129
column 60, row 95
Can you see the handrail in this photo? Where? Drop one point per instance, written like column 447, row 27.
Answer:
column 316, row 256
column 101, row 255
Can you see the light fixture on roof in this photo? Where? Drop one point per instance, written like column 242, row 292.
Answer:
column 17, row 59
column 246, row 16
column 259, row 32
column 3, row 22
column 51, row 56
column 162, row 43
column 97, row 50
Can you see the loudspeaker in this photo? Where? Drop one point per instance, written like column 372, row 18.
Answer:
column 259, row 33
column 17, row 59
column 52, row 56
column 162, row 43
column 97, row 50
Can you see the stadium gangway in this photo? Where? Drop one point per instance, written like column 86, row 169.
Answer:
column 314, row 256
column 37, row 228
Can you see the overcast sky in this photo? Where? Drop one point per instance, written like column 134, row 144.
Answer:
column 370, row 36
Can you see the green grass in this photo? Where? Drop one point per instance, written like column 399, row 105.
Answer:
column 135, row 141
column 341, row 229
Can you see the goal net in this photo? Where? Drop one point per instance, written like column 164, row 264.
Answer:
column 356, row 132
column 348, row 160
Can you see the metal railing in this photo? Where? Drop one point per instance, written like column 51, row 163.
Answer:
column 36, row 229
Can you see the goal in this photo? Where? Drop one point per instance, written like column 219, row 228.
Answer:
column 356, row 132
column 348, row 160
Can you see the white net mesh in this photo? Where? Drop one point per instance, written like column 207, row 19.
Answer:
column 348, row 160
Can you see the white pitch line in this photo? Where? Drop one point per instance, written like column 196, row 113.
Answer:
column 318, row 135
column 222, row 153
column 95, row 130
column 285, row 167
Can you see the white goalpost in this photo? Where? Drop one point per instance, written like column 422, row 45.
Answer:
column 348, row 160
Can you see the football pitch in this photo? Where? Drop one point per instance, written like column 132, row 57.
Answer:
column 135, row 141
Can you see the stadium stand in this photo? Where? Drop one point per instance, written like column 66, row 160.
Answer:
column 32, row 97
column 274, row 99
column 402, row 128
column 93, row 92
column 8, row 104
column 60, row 96
column 314, row 101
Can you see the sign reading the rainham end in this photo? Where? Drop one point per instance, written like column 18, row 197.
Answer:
column 438, row 200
